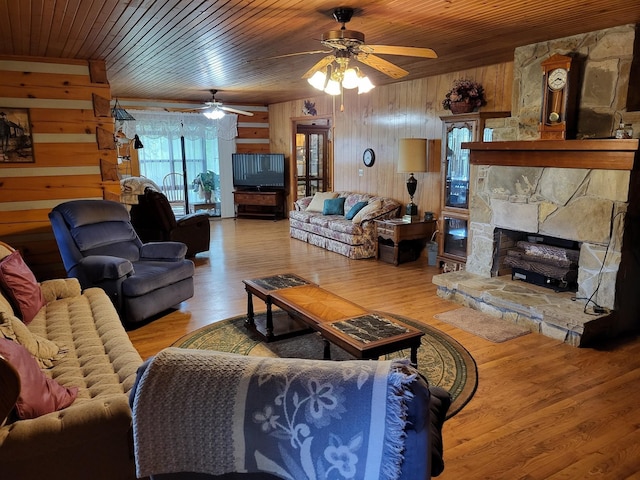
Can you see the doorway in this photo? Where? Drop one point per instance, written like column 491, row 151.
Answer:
column 313, row 164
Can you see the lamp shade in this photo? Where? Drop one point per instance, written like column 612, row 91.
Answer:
column 413, row 155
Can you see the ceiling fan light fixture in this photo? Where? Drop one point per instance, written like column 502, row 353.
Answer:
column 364, row 85
column 318, row 80
column 214, row 114
column 351, row 79
column 333, row 87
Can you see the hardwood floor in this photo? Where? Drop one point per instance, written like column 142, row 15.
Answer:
column 542, row 410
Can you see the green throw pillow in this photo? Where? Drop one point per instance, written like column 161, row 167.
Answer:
column 355, row 209
column 334, row 206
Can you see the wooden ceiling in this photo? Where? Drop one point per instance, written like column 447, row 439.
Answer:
column 180, row 49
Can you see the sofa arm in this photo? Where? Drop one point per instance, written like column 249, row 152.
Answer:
column 193, row 219
column 167, row 251
column 302, row 203
column 54, row 446
column 60, row 288
column 98, row 268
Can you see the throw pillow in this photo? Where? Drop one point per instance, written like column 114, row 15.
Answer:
column 38, row 394
column 43, row 350
column 333, row 206
column 370, row 208
column 355, row 209
column 20, row 284
column 317, row 203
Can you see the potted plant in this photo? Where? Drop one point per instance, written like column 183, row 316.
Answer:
column 205, row 183
column 464, row 97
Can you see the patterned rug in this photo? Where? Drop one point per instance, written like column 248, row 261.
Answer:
column 441, row 359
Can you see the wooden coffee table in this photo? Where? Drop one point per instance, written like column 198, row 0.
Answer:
column 363, row 333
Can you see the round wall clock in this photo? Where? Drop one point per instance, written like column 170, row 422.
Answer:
column 369, row 157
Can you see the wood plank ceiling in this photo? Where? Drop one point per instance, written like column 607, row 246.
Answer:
column 179, row 49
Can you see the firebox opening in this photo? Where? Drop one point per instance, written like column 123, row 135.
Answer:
column 538, row 259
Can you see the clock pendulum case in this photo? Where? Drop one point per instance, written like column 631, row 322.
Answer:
column 559, row 98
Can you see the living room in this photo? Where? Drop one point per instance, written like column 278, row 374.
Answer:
column 511, row 426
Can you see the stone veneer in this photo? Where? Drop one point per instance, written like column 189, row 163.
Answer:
column 583, row 205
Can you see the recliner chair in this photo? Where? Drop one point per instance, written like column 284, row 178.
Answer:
column 155, row 221
column 100, row 248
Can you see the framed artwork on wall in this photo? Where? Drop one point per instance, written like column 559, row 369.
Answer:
column 16, row 145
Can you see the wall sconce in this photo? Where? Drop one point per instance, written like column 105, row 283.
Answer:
column 412, row 158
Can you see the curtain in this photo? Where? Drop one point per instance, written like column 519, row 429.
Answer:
column 207, row 143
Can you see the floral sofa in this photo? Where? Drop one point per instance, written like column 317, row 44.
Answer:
column 334, row 230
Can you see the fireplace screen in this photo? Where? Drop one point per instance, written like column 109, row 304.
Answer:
column 455, row 236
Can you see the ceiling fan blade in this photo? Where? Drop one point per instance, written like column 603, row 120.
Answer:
column 319, row 66
column 235, row 110
column 397, row 50
column 312, row 52
column 382, row 65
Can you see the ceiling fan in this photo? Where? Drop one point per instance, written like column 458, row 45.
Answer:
column 349, row 44
column 215, row 109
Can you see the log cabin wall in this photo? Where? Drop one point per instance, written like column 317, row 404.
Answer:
column 73, row 150
column 378, row 120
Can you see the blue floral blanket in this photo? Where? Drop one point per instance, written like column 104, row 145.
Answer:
column 213, row 412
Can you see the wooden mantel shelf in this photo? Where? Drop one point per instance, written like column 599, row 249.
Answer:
column 609, row 154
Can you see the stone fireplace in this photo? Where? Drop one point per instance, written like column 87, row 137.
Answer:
column 574, row 190
column 581, row 205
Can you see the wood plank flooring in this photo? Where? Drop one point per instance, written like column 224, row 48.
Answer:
column 542, row 409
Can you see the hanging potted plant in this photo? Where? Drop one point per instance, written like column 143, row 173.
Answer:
column 464, row 97
column 205, row 184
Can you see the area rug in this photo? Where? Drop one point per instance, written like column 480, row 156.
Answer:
column 482, row 325
column 442, row 360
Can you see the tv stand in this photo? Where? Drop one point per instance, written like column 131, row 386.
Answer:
column 257, row 203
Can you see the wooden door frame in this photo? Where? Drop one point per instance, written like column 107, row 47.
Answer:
column 320, row 121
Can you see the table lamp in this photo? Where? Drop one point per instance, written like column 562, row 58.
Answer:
column 412, row 158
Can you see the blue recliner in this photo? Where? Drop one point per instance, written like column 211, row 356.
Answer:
column 100, row 248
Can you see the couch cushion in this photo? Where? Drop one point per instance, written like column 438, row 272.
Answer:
column 371, row 208
column 317, row 204
column 333, row 206
column 355, row 209
column 38, row 394
column 43, row 350
column 151, row 275
column 20, row 285
column 101, row 359
column 352, row 198
column 301, row 215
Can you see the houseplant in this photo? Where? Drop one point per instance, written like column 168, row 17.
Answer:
column 205, row 183
column 464, row 97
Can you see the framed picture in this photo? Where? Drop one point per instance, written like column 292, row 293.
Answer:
column 16, row 145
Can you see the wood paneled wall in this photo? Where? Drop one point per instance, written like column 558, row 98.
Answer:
column 378, row 120
column 61, row 97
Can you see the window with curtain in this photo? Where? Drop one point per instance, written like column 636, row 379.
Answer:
column 162, row 135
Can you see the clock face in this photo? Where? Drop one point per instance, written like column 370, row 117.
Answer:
column 368, row 157
column 557, row 79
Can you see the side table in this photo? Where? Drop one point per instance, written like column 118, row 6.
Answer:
column 400, row 241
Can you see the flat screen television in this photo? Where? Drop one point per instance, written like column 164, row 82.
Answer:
column 258, row 171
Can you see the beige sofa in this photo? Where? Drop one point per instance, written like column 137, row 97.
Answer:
column 91, row 438
column 355, row 238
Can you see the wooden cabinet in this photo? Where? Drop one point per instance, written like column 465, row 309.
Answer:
column 456, row 186
column 259, row 204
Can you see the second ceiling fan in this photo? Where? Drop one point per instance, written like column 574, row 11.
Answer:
column 215, row 109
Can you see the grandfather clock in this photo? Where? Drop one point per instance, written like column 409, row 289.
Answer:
column 559, row 97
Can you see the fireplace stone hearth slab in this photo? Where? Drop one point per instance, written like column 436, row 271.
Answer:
column 541, row 310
